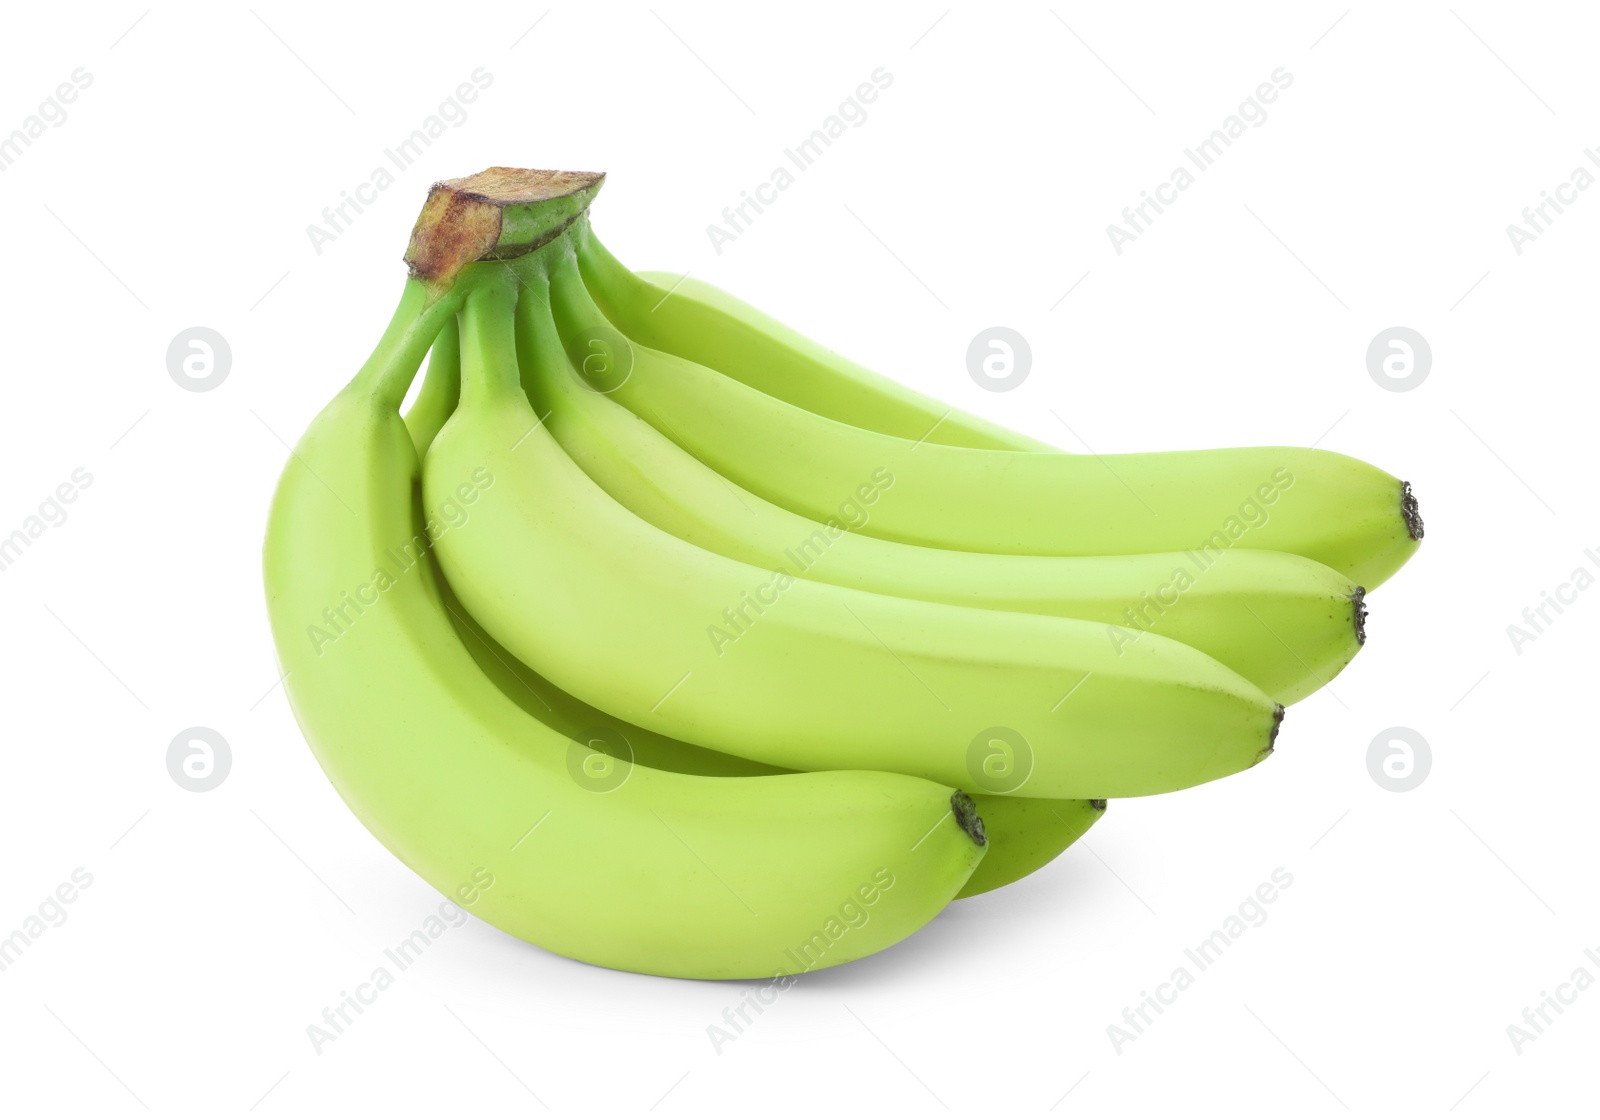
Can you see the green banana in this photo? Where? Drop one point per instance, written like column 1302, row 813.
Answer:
column 828, row 677
column 1024, row 833
column 1285, row 623
column 1338, row 511
column 694, row 320
column 664, row 873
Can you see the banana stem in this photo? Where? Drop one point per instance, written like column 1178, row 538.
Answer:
column 388, row 372
column 569, row 296
column 540, row 343
column 596, row 258
column 441, row 388
column 497, row 214
column 488, row 340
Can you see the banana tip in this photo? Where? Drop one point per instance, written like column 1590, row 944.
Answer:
column 1358, row 601
column 1098, row 804
column 966, row 812
column 1272, row 737
column 1408, row 511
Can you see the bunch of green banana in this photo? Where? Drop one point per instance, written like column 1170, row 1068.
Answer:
column 692, row 634
column 1032, row 831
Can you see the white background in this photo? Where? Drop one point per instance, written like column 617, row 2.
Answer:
column 219, row 925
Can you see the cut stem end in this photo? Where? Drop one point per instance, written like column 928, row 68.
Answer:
column 497, row 214
column 966, row 811
column 1408, row 511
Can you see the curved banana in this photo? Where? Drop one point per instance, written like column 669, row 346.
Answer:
column 1328, row 507
column 662, row 873
column 1285, row 623
column 1023, row 833
column 788, row 671
column 699, row 322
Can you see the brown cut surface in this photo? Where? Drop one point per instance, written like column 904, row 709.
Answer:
column 505, row 186
column 461, row 222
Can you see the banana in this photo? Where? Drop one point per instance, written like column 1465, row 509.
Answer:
column 1035, row 832
column 1336, row 510
column 791, row 672
column 663, row 873
column 1285, row 623
column 1023, row 833
column 698, row 322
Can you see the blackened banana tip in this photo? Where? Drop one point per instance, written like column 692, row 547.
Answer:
column 1408, row 511
column 1277, row 725
column 1098, row 804
column 966, row 812
column 1358, row 601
